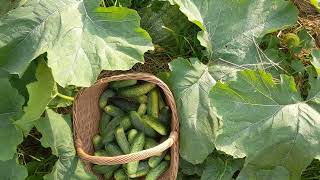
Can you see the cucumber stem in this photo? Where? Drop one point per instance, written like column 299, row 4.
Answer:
column 69, row 98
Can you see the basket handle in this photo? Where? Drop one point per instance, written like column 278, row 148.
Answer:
column 123, row 159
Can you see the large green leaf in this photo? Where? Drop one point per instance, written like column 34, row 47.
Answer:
column 10, row 108
column 41, row 93
column 231, row 30
column 315, row 53
column 190, row 83
column 267, row 122
column 10, row 170
column 218, row 168
column 57, row 134
column 80, row 39
column 7, row 5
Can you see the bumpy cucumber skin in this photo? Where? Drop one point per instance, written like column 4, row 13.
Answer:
column 125, row 122
column 137, row 145
column 141, row 99
column 103, row 101
column 155, row 124
column 150, row 143
column 156, row 160
column 142, row 109
column 113, row 111
column 122, row 140
column 105, row 119
column 164, row 115
column 101, row 169
column 124, row 103
column 100, row 153
column 139, row 124
column 113, row 150
column 153, row 103
column 131, row 135
column 161, row 101
column 143, row 170
column 167, row 157
column 156, row 172
column 122, row 83
column 97, row 142
column 137, row 90
column 120, row 175
column 108, row 134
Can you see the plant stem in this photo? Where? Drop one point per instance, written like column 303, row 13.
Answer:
column 65, row 97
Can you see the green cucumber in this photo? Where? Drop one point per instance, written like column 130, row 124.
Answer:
column 153, row 103
column 137, row 145
column 113, row 111
column 131, row 135
column 142, row 109
column 155, row 124
column 108, row 133
column 136, row 90
column 139, row 124
column 124, row 103
column 156, row 172
column 150, row 143
column 156, row 160
column 122, row 83
column 97, row 142
column 122, row 140
column 164, row 115
column 102, row 169
column 161, row 101
column 167, row 157
column 125, row 122
column 103, row 101
column 100, row 153
column 105, row 119
column 143, row 170
column 143, row 99
column 120, row 175
column 113, row 150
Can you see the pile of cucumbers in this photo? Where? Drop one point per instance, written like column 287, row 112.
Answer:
column 134, row 118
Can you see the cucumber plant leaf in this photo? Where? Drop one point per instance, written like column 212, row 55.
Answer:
column 7, row 5
column 190, row 83
column 57, row 134
column 11, row 170
column 41, row 93
column 10, row 108
column 218, row 168
column 266, row 121
column 232, row 30
column 80, row 39
column 315, row 53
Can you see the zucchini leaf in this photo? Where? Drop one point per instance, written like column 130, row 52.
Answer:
column 80, row 39
column 267, row 121
column 57, row 134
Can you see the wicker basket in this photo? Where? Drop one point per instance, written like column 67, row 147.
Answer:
column 86, row 117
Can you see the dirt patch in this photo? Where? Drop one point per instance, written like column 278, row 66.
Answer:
column 309, row 17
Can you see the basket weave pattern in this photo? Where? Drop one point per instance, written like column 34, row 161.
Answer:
column 86, row 117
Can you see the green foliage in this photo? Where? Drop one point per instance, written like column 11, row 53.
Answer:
column 11, row 170
column 191, row 82
column 269, row 124
column 57, row 135
column 107, row 38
